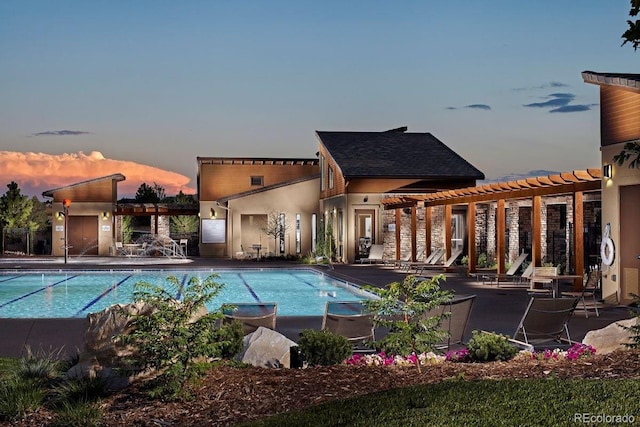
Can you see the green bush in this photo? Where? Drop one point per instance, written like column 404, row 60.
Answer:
column 175, row 336
column 404, row 308
column 487, row 347
column 323, row 348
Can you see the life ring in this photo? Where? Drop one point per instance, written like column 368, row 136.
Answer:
column 607, row 251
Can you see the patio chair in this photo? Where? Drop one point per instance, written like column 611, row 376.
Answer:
column 546, row 319
column 432, row 259
column 375, row 254
column 455, row 324
column 447, row 264
column 509, row 275
column 252, row 315
column 589, row 288
column 349, row 319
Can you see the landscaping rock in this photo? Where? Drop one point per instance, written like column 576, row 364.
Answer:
column 610, row 338
column 102, row 354
column 266, row 348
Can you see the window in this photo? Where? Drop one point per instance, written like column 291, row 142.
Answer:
column 321, row 172
column 298, row 234
column 330, row 177
column 282, row 230
column 257, row 180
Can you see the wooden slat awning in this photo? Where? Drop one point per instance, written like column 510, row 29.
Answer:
column 150, row 209
column 557, row 184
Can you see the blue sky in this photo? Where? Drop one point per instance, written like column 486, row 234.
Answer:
column 160, row 83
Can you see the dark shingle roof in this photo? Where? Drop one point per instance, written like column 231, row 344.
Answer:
column 395, row 154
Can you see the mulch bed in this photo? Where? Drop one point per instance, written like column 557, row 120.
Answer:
column 228, row 396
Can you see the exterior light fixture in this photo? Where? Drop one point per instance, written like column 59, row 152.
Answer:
column 60, row 216
column 212, row 213
column 105, row 216
column 607, row 171
column 366, row 199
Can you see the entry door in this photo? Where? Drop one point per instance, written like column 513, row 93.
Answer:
column 365, row 231
column 83, row 235
column 629, row 246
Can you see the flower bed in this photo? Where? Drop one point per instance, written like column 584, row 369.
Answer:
column 577, row 351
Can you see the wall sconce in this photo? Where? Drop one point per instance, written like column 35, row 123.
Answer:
column 60, row 216
column 366, row 199
column 607, row 171
column 212, row 214
column 105, row 216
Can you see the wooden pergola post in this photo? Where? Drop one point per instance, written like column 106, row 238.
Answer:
column 578, row 237
column 471, row 237
column 501, row 226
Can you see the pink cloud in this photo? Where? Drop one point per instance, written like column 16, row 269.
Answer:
column 38, row 172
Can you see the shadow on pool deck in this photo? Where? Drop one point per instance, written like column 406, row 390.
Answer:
column 495, row 309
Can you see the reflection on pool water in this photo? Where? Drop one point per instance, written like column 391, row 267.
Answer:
column 72, row 293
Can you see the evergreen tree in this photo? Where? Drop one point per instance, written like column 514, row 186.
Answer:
column 15, row 208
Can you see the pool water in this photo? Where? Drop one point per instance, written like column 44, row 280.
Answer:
column 64, row 294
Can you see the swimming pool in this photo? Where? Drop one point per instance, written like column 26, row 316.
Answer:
column 71, row 293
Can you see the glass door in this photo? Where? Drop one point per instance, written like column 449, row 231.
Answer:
column 365, row 235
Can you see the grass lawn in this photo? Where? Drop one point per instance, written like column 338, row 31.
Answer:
column 547, row 402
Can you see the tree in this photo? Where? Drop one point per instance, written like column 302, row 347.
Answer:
column 184, row 224
column 38, row 220
column 629, row 149
column 149, row 194
column 274, row 226
column 403, row 308
column 15, row 208
column 632, row 35
column 176, row 335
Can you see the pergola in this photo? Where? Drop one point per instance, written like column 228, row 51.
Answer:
column 574, row 183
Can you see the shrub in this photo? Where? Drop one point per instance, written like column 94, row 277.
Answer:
column 78, row 415
column 19, row 397
column 403, row 308
column 634, row 329
column 487, row 347
column 323, row 348
column 172, row 338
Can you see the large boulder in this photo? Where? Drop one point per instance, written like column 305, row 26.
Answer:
column 612, row 337
column 103, row 354
column 266, row 348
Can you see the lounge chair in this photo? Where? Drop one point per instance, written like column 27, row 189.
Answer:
column 375, row 254
column 349, row 319
column 252, row 315
column 455, row 324
column 432, row 259
column 448, row 263
column 546, row 319
column 589, row 288
column 510, row 274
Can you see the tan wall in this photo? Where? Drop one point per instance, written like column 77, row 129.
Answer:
column 622, row 175
column 296, row 198
column 222, row 180
column 105, row 228
column 619, row 115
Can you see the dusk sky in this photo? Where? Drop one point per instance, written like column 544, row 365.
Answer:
column 142, row 88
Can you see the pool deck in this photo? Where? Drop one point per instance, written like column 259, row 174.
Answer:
column 496, row 309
